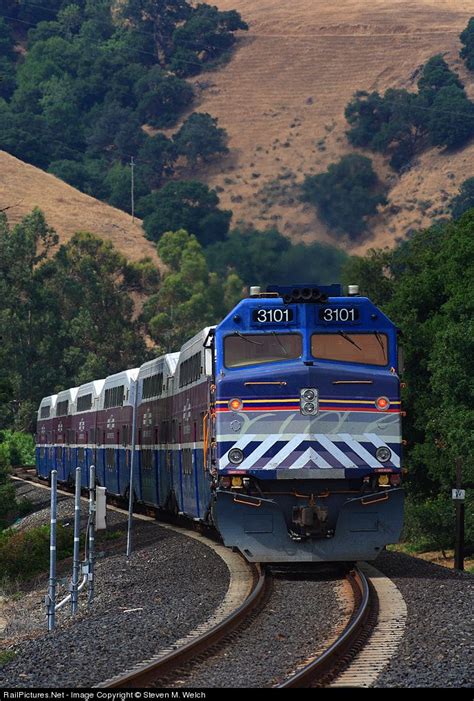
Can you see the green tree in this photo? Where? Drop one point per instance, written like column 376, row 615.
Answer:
column 451, row 120
column 190, row 297
column 186, row 205
column 435, row 76
column 162, row 97
column 159, row 18
column 267, row 257
column 7, row 61
column 464, row 200
column 204, row 37
column 424, row 286
column 200, row 138
column 467, row 51
column 86, row 278
column 156, row 159
column 23, row 250
column 346, row 194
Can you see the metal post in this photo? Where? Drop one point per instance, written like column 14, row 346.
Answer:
column 76, row 564
column 91, row 535
column 459, row 544
column 51, row 598
column 132, row 465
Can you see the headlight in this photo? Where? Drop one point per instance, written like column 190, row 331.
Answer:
column 235, row 404
column 308, row 394
column 235, row 456
column 309, row 401
column 383, row 454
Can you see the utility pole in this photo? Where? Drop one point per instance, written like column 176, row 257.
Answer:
column 132, row 166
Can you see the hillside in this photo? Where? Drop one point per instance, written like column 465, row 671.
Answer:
column 282, row 100
column 23, row 187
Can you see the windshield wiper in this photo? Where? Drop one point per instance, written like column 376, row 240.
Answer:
column 246, row 338
column 348, row 338
column 274, row 333
column 379, row 339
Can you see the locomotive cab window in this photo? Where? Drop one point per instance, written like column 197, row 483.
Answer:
column 254, row 349
column 365, row 348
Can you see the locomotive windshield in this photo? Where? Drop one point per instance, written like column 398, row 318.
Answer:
column 253, row 349
column 366, row 348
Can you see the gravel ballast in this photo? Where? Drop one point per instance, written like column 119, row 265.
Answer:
column 299, row 619
column 170, row 585
column 436, row 649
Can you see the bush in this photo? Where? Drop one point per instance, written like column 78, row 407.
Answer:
column 464, row 200
column 430, row 524
column 346, row 194
column 467, row 38
column 26, row 553
column 20, row 446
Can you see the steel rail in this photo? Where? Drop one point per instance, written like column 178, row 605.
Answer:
column 325, row 664
column 149, row 673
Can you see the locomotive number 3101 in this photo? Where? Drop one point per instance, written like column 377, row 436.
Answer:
column 273, row 315
column 338, row 314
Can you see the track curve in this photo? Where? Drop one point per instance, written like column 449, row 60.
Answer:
column 327, row 665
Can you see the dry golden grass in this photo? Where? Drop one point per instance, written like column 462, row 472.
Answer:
column 23, row 187
column 282, row 100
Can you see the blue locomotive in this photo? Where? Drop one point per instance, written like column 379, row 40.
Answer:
column 280, row 426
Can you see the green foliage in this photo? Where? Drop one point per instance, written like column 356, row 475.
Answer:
column 156, row 159
column 186, row 205
column 24, row 554
column 7, row 656
column 429, row 524
column 467, row 38
column 464, row 200
column 7, row 61
column 398, row 123
column 93, row 75
column 200, row 139
column 451, row 121
column 190, row 297
column 435, row 76
column 204, row 37
column 162, row 97
column 388, row 124
column 424, row 285
column 346, row 194
column 64, row 318
column 20, row 446
column 268, row 257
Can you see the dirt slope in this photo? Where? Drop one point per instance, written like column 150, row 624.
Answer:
column 23, row 187
column 282, row 99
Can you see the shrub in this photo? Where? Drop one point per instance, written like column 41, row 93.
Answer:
column 346, row 194
column 26, row 553
column 430, row 524
column 20, row 446
column 464, row 200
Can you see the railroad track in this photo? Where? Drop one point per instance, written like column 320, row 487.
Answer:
column 163, row 668
column 327, row 665
column 347, row 661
